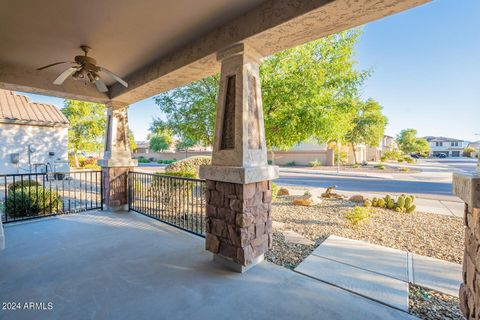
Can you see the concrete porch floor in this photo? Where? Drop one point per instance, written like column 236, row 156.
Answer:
column 106, row 265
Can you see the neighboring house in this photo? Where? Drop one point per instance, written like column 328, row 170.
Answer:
column 476, row 146
column 142, row 147
column 449, row 146
column 32, row 135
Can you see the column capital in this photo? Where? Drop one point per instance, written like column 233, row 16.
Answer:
column 116, row 105
column 467, row 187
column 239, row 49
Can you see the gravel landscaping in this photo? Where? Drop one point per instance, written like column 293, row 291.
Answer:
column 426, row 234
column 431, row 305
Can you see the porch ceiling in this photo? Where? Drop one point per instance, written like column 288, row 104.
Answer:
column 158, row 45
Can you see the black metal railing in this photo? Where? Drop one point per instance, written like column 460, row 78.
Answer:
column 174, row 200
column 35, row 195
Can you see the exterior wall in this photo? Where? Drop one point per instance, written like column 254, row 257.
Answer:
column 374, row 153
column 15, row 138
column 326, row 157
column 171, row 155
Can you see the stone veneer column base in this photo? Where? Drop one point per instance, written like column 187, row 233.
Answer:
column 115, row 188
column 467, row 187
column 238, row 222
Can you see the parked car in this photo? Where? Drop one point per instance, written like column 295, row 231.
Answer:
column 440, row 155
column 415, row 156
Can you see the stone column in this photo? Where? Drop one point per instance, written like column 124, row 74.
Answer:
column 467, row 187
column 239, row 188
column 117, row 159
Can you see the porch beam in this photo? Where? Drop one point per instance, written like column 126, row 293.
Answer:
column 271, row 27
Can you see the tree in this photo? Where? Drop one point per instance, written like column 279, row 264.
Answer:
column 184, row 143
column 86, row 126
column 131, row 140
column 161, row 141
column 368, row 125
column 306, row 93
column 408, row 142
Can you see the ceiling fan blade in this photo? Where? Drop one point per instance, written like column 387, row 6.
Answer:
column 54, row 64
column 114, row 76
column 64, row 75
column 101, row 85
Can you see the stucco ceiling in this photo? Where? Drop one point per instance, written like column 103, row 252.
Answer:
column 124, row 34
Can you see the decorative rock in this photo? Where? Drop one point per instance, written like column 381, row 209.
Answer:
column 330, row 194
column 283, row 192
column 306, row 200
column 357, row 198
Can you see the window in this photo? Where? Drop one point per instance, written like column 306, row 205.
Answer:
column 454, row 144
column 438, row 144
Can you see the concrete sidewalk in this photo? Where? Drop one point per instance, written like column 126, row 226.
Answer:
column 442, row 207
column 379, row 273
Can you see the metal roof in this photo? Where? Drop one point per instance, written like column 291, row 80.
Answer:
column 18, row 109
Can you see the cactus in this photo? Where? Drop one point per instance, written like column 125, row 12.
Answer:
column 408, row 202
column 398, row 209
column 387, row 198
column 375, row 202
column 413, row 197
column 367, row 203
column 390, row 204
column 411, row 208
column 401, row 202
column 381, row 203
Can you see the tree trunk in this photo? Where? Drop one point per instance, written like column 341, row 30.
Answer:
column 354, row 153
column 272, row 156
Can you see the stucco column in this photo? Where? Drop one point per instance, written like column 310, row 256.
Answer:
column 239, row 188
column 117, row 160
column 467, row 187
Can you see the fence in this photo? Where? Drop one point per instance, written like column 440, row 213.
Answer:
column 176, row 201
column 35, row 195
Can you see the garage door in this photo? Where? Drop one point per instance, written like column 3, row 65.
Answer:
column 455, row 153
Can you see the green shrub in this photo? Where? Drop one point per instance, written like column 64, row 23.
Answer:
column 160, row 161
column 291, row 163
column 408, row 159
column 379, row 166
column 189, row 165
column 355, row 165
column 183, row 174
column 32, row 201
column 383, row 158
column 274, row 191
column 315, row 163
column 357, row 215
column 404, row 169
column 400, row 160
column 143, row 160
column 269, row 161
column 92, row 166
column 23, row 184
column 393, row 154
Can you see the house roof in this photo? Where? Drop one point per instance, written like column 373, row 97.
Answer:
column 18, row 109
column 441, row 139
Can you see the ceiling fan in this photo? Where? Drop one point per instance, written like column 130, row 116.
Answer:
column 85, row 68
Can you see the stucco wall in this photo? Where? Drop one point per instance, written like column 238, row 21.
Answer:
column 16, row 138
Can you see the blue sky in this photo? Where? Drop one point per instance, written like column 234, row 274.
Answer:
column 426, row 71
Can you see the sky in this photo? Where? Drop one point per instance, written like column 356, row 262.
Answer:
column 425, row 65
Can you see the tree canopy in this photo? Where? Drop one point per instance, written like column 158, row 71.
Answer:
column 307, row 91
column 86, row 125
column 160, row 141
column 368, row 124
column 409, row 142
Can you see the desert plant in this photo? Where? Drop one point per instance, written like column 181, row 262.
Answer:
column 404, row 169
column 143, row 160
column 32, row 201
column 379, row 166
column 190, row 165
column 383, row 158
column 315, row 163
column 291, row 163
column 274, row 191
column 367, row 203
column 408, row 159
column 393, row 154
column 92, row 166
column 357, row 215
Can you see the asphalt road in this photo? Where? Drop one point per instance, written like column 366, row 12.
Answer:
column 434, row 182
